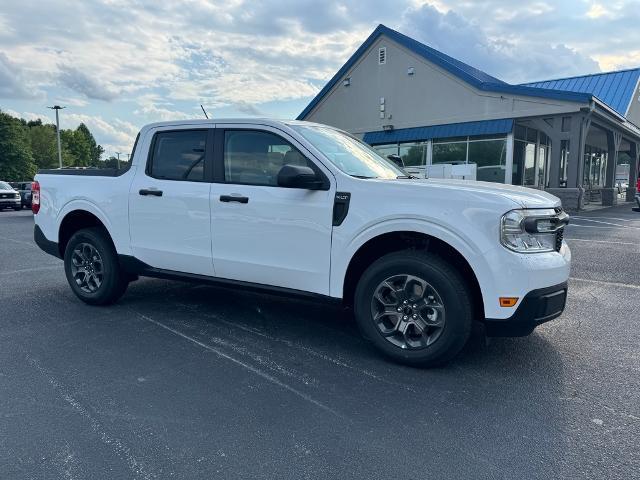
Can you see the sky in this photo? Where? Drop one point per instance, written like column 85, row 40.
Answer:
column 117, row 65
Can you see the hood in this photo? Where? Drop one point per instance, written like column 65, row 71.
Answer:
column 522, row 197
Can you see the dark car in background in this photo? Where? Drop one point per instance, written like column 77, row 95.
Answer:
column 24, row 188
column 9, row 198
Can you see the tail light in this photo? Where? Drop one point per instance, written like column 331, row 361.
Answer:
column 35, row 197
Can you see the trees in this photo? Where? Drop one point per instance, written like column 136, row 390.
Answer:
column 44, row 145
column 26, row 147
column 16, row 158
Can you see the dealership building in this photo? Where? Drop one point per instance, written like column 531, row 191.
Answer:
column 575, row 137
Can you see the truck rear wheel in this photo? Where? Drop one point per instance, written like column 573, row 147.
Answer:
column 92, row 268
column 414, row 307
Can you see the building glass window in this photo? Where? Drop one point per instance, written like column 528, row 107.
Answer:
column 564, row 162
column 413, row 155
column 490, row 159
column 529, row 164
column 455, row 152
column 595, row 164
column 384, row 150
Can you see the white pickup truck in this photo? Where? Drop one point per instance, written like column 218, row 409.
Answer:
column 301, row 208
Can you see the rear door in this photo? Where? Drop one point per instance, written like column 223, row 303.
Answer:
column 169, row 214
column 263, row 233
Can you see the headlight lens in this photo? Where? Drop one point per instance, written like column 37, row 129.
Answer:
column 17, row 195
column 531, row 231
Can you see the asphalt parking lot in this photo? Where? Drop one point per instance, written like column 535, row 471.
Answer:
column 186, row 381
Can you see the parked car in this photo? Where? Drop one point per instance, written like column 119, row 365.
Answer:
column 298, row 208
column 9, row 197
column 24, row 188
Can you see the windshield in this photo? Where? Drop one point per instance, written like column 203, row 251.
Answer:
column 5, row 186
column 349, row 154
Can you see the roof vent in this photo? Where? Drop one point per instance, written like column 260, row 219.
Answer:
column 382, row 55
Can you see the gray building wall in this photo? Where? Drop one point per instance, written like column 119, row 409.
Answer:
column 432, row 96
column 633, row 114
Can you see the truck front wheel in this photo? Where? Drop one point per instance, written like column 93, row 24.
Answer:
column 414, row 307
column 92, row 268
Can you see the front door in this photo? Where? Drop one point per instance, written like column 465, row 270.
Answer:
column 169, row 212
column 263, row 233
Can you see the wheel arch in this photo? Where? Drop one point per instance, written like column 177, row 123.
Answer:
column 398, row 240
column 77, row 219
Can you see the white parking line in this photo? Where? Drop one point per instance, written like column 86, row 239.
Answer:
column 594, row 226
column 608, row 223
column 605, row 218
column 36, row 269
column 599, row 241
column 609, row 284
column 252, row 369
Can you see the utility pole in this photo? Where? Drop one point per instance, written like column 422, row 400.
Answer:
column 57, row 108
column 118, row 155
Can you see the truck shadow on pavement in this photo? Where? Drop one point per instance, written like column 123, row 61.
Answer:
column 506, row 389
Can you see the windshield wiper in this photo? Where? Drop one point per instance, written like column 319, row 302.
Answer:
column 406, row 177
column 362, row 176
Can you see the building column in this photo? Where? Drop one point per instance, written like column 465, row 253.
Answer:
column 610, row 192
column 508, row 167
column 573, row 194
column 633, row 171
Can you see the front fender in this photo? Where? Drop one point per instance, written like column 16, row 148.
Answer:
column 345, row 248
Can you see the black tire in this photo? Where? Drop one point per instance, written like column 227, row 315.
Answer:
column 113, row 282
column 454, row 308
column 17, row 209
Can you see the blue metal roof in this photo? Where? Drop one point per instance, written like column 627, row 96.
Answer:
column 613, row 88
column 483, row 127
column 477, row 78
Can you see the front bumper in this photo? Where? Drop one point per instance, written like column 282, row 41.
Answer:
column 10, row 202
column 537, row 307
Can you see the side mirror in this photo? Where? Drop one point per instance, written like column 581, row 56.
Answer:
column 396, row 159
column 297, row 176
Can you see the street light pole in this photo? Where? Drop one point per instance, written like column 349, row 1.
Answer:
column 118, row 155
column 57, row 108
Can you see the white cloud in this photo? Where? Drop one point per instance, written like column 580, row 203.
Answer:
column 116, row 134
column 14, row 82
column 597, row 11
column 81, row 82
column 512, row 60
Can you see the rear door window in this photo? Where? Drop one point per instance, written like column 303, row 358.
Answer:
column 178, row 155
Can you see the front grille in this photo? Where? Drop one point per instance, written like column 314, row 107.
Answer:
column 559, row 237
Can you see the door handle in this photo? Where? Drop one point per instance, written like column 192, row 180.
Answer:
column 151, row 191
column 234, row 198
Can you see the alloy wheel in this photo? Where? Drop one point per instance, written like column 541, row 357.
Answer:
column 408, row 312
column 87, row 267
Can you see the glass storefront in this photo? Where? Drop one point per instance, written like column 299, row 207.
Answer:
column 531, row 151
column 490, row 159
column 595, row 167
column 489, row 154
column 450, row 152
column 413, row 154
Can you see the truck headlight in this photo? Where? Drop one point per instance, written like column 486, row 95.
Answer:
column 532, row 231
column 17, row 195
